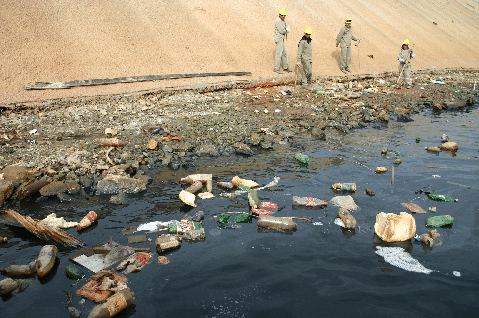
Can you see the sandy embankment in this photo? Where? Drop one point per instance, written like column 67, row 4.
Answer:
column 51, row 40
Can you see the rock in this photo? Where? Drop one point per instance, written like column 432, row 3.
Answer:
column 6, row 190
column 243, row 149
column 255, row 139
column 18, row 174
column 151, row 144
column 73, row 162
column 119, row 199
column 113, row 184
column 318, row 133
column 53, row 189
column 207, row 150
column 450, row 145
column 391, row 227
column 454, row 104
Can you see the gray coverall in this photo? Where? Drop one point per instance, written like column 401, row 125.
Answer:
column 305, row 57
column 344, row 40
column 404, row 58
column 280, row 57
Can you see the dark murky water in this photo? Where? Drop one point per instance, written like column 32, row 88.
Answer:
column 315, row 270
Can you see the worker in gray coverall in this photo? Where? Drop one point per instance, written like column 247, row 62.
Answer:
column 305, row 57
column 281, row 29
column 404, row 57
column 344, row 39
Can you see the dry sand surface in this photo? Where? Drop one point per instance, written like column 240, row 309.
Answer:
column 64, row 40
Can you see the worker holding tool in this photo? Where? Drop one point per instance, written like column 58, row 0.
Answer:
column 344, row 38
column 405, row 55
column 305, row 57
column 281, row 29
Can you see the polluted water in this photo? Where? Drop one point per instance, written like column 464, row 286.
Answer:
column 317, row 266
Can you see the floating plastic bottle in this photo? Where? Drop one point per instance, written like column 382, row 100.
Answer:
column 194, row 234
column 302, row 159
column 248, row 183
column 308, row 201
column 280, row 223
column 114, row 304
column 112, row 142
column 87, row 220
column 19, row 270
column 241, row 187
column 195, row 187
column 253, row 199
column 167, row 242
column 351, row 187
column 209, row 186
column 439, row 197
column 46, row 259
column 433, row 149
column 197, row 177
column 228, row 195
column 8, row 285
column 183, row 226
column 226, row 185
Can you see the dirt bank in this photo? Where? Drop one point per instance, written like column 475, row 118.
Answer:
column 51, row 40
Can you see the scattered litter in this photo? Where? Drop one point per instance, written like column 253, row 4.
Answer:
column 456, row 273
column 437, row 82
column 134, row 263
column 436, row 176
column 33, row 131
column 163, row 260
column 440, row 221
column 345, row 202
column 114, row 253
column 153, row 226
column 412, row 207
column 137, row 239
column 102, row 285
column 432, row 209
column 398, row 257
column 129, row 230
column 206, row 195
column 317, row 223
column 440, row 197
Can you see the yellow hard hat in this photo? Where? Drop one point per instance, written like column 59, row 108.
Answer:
column 308, row 31
column 348, row 20
column 282, row 11
column 406, row 42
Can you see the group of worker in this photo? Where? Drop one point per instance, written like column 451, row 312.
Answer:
column 304, row 56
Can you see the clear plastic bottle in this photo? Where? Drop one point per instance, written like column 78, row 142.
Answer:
column 226, row 185
column 197, row 177
column 308, row 201
column 273, row 222
column 46, row 259
column 8, row 285
column 195, row 187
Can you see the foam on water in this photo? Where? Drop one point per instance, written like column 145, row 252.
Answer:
column 398, row 257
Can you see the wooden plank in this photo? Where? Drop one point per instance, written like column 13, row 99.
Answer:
column 129, row 79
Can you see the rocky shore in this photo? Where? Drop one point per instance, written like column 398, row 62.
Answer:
column 62, row 142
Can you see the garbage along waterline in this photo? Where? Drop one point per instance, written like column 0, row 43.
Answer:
column 224, row 263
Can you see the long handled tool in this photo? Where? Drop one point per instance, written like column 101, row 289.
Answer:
column 402, row 70
column 359, row 60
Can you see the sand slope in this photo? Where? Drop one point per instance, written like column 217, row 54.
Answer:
column 63, row 40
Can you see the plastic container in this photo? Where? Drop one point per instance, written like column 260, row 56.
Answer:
column 112, row 142
column 197, row 177
column 167, row 242
column 46, row 259
column 308, row 201
column 279, row 223
column 302, row 159
column 195, row 187
column 8, row 285
column 114, row 304
column 19, row 270
column 226, row 185
column 183, row 226
column 188, row 198
column 195, row 234
column 253, row 199
column 248, row 183
column 351, row 187
column 433, row 149
column 87, row 220
column 209, row 186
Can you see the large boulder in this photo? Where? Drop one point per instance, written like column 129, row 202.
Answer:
column 391, row 227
